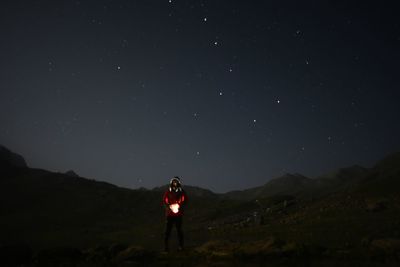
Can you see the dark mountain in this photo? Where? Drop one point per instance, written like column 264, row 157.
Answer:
column 9, row 158
column 45, row 209
column 383, row 179
column 345, row 174
column 289, row 184
column 343, row 178
column 389, row 166
column 350, row 211
column 299, row 185
column 71, row 173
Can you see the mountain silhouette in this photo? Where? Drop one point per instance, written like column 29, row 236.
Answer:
column 11, row 159
column 71, row 173
column 351, row 209
column 288, row 184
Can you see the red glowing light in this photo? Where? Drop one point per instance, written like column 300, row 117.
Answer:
column 174, row 207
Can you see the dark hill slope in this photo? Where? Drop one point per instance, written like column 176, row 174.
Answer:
column 297, row 185
column 357, row 206
column 288, row 184
column 46, row 209
column 10, row 159
column 41, row 207
column 383, row 179
column 358, row 215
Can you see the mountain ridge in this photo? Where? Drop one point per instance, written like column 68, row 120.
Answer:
column 286, row 184
column 44, row 210
column 11, row 159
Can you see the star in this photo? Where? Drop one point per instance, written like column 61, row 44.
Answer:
column 220, row 93
column 215, row 43
column 278, row 101
column 254, row 120
column 118, row 67
column 205, row 19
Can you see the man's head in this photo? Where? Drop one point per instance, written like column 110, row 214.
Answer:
column 175, row 182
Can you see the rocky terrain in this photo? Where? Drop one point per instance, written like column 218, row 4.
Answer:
column 349, row 216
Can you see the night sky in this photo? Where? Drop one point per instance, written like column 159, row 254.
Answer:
column 225, row 94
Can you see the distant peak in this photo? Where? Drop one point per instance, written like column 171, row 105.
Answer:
column 9, row 158
column 71, row 173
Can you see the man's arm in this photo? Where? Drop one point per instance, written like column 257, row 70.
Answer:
column 184, row 198
column 165, row 199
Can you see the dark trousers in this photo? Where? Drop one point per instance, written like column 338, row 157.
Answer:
column 171, row 221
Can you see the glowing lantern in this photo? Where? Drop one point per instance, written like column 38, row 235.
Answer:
column 174, row 207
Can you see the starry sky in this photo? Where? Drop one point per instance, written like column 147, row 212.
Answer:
column 225, row 94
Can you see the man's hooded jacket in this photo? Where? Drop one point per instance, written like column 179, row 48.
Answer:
column 174, row 196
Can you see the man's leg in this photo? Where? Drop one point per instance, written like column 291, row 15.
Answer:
column 180, row 232
column 167, row 233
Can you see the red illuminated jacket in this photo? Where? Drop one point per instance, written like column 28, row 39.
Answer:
column 174, row 197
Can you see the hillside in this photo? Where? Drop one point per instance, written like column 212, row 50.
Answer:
column 302, row 186
column 351, row 213
column 9, row 158
column 45, row 209
column 39, row 207
column 289, row 184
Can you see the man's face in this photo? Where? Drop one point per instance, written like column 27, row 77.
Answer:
column 174, row 183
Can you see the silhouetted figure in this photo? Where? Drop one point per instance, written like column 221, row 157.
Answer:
column 174, row 200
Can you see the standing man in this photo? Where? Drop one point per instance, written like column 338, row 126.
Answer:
column 175, row 200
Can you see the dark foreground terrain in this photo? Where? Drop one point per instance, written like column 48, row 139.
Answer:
column 350, row 217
